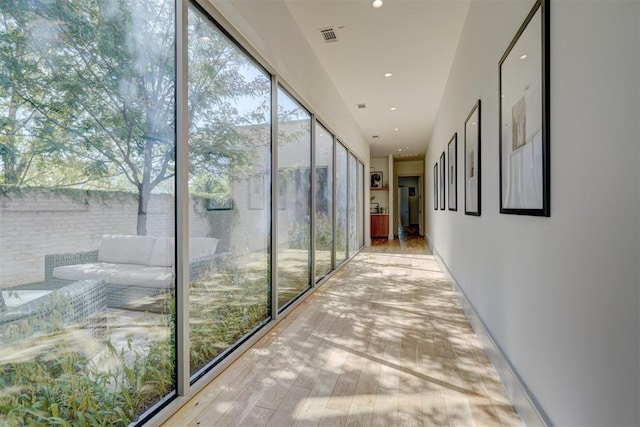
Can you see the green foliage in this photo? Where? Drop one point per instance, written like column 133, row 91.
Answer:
column 60, row 384
column 224, row 308
column 87, row 97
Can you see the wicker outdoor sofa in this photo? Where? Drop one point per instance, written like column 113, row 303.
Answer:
column 133, row 268
column 81, row 304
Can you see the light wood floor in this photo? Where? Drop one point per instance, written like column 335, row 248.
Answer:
column 384, row 342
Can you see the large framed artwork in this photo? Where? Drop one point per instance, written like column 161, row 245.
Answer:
column 472, row 162
column 524, row 118
column 443, row 181
column 452, row 169
column 435, row 187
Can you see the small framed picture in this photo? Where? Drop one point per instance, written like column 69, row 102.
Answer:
column 443, row 181
column 376, row 179
column 435, row 187
column 524, row 118
column 452, row 169
column 472, row 162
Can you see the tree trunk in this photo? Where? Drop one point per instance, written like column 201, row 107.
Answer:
column 144, row 194
column 11, row 172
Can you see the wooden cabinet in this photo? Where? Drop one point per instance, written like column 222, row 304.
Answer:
column 379, row 225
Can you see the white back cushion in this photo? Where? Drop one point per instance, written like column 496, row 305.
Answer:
column 125, row 249
column 200, row 247
column 163, row 253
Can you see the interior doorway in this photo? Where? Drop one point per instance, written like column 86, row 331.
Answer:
column 409, row 206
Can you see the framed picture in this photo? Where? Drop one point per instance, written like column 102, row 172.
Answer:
column 452, row 168
column 472, row 162
column 256, row 192
column 376, row 179
column 443, row 180
column 524, row 118
column 435, row 187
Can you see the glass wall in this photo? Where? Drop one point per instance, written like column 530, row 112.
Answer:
column 229, row 184
column 360, row 204
column 324, row 201
column 352, row 205
column 294, row 199
column 87, row 148
column 341, row 203
column 87, row 206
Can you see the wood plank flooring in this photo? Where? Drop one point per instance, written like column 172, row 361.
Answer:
column 384, row 342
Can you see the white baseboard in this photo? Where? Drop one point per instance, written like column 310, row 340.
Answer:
column 530, row 413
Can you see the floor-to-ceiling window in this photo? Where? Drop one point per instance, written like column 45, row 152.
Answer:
column 87, row 148
column 294, row 199
column 324, row 201
column 229, row 183
column 352, row 205
column 341, row 203
column 88, row 287
column 360, row 204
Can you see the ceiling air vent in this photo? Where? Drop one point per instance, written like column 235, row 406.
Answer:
column 329, row 35
column 361, row 106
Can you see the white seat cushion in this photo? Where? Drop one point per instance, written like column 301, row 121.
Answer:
column 118, row 249
column 147, row 277
column 96, row 270
column 118, row 274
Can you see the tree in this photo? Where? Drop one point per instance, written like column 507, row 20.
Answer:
column 109, row 99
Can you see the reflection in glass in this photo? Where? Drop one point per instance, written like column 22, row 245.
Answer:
column 324, row 201
column 294, row 214
column 87, row 110
column 341, row 203
column 229, row 186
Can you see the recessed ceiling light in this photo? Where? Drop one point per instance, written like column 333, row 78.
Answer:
column 396, row 129
column 399, row 149
column 473, row 123
column 523, row 56
column 504, row 96
column 376, row 3
column 393, row 108
column 388, row 74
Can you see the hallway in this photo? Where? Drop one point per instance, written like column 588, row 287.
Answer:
column 383, row 342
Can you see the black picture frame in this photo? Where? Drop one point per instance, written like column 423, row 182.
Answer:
column 435, row 187
column 376, row 179
column 443, row 180
column 472, row 161
column 523, row 99
column 452, row 170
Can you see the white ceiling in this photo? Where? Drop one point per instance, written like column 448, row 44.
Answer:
column 415, row 40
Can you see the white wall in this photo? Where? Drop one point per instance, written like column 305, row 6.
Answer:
column 559, row 295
